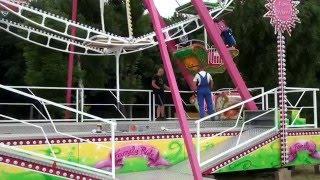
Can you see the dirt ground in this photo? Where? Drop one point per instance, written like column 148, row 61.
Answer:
column 300, row 173
column 305, row 173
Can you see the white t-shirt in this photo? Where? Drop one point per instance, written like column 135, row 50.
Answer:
column 197, row 77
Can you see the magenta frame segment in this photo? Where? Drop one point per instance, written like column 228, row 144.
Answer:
column 174, row 90
column 171, row 45
column 213, row 32
column 71, row 55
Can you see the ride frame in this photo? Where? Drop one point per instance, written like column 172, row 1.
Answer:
column 212, row 28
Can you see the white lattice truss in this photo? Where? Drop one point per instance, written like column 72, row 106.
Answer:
column 95, row 42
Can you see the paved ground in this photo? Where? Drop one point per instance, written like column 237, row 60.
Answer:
column 300, row 173
column 157, row 175
column 305, row 173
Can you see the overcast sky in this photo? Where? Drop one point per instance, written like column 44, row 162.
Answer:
column 166, row 8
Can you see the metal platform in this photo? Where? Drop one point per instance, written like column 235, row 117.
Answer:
column 221, row 150
column 18, row 131
column 158, row 175
column 183, row 169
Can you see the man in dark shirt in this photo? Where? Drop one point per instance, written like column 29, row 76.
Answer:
column 158, row 87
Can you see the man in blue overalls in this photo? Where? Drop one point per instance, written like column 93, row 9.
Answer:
column 204, row 83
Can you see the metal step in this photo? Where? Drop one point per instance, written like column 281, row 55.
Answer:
column 247, row 137
column 221, row 151
column 48, row 165
column 262, row 118
column 162, row 174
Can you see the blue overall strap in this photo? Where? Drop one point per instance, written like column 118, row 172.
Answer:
column 204, row 81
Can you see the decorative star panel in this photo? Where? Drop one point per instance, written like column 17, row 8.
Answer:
column 283, row 14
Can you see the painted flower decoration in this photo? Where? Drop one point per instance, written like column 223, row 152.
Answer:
column 283, row 14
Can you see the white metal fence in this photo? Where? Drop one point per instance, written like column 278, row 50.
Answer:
column 266, row 101
column 302, row 100
column 240, row 106
column 141, row 111
column 47, row 116
column 270, row 98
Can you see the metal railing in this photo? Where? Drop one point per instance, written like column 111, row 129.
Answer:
column 304, row 101
column 241, row 105
column 265, row 109
column 263, row 99
column 80, row 104
column 47, row 117
column 110, row 104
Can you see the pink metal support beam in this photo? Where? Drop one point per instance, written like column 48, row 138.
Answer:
column 183, row 70
column 213, row 32
column 171, row 44
column 188, row 77
column 174, row 90
column 71, row 55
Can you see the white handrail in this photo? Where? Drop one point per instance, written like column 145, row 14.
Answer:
column 275, row 110
column 315, row 110
column 302, row 89
column 234, row 106
column 62, row 133
column 290, row 104
column 295, row 118
column 198, row 146
column 77, row 88
column 23, row 104
column 44, row 158
column 44, row 102
column 55, row 104
column 299, row 99
column 199, row 141
column 55, row 128
column 108, row 89
column 266, row 103
column 237, row 147
column 68, row 135
column 39, row 127
column 254, row 118
column 236, row 124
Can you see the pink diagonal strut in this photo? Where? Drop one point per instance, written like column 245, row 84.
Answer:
column 213, row 32
column 71, row 56
column 174, row 90
column 171, row 45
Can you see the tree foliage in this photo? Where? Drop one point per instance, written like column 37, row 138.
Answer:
column 257, row 43
column 12, row 66
column 24, row 63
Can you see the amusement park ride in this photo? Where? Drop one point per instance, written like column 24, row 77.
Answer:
column 275, row 129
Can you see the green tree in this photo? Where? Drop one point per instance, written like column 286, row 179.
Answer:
column 257, row 44
column 12, row 66
column 96, row 71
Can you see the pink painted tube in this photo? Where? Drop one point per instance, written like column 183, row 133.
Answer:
column 171, row 45
column 71, row 57
column 213, row 32
column 174, row 90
